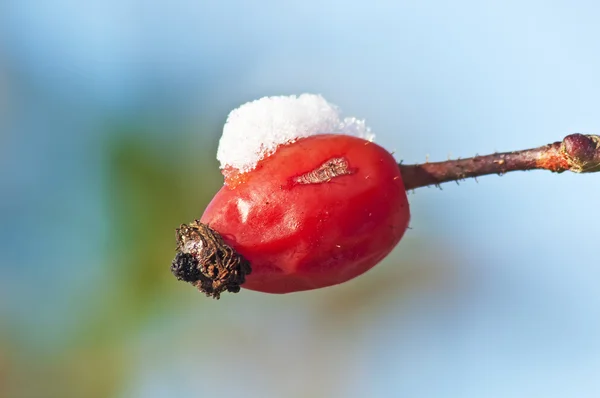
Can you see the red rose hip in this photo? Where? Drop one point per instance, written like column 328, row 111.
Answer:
column 318, row 212
column 315, row 212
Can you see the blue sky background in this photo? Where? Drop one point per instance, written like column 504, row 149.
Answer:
column 431, row 78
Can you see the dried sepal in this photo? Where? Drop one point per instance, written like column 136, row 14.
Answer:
column 207, row 262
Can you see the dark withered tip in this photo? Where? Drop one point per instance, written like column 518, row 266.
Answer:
column 185, row 268
column 206, row 261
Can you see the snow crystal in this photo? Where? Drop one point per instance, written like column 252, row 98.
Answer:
column 254, row 130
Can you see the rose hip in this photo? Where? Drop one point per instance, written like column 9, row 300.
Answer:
column 317, row 212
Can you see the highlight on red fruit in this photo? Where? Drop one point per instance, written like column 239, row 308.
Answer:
column 300, row 212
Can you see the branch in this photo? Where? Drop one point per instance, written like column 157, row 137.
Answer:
column 577, row 153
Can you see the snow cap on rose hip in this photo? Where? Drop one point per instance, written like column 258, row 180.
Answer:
column 256, row 129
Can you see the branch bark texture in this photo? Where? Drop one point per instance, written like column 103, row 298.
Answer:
column 578, row 153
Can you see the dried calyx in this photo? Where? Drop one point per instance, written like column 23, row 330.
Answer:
column 207, row 262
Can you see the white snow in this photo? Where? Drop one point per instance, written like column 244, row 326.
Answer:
column 254, row 130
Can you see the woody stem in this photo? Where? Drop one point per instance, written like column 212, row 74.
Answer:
column 578, row 153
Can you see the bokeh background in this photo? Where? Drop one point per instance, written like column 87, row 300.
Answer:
column 110, row 114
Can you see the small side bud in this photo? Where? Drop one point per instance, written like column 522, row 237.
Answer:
column 582, row 152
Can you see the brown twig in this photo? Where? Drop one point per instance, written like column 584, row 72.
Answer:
column 577, row 152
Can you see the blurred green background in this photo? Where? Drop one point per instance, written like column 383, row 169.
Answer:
column 110, row 115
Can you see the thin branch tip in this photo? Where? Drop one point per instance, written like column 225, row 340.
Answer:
column 579, row 153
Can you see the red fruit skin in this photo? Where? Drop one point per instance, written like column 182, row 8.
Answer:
column 308, row 236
